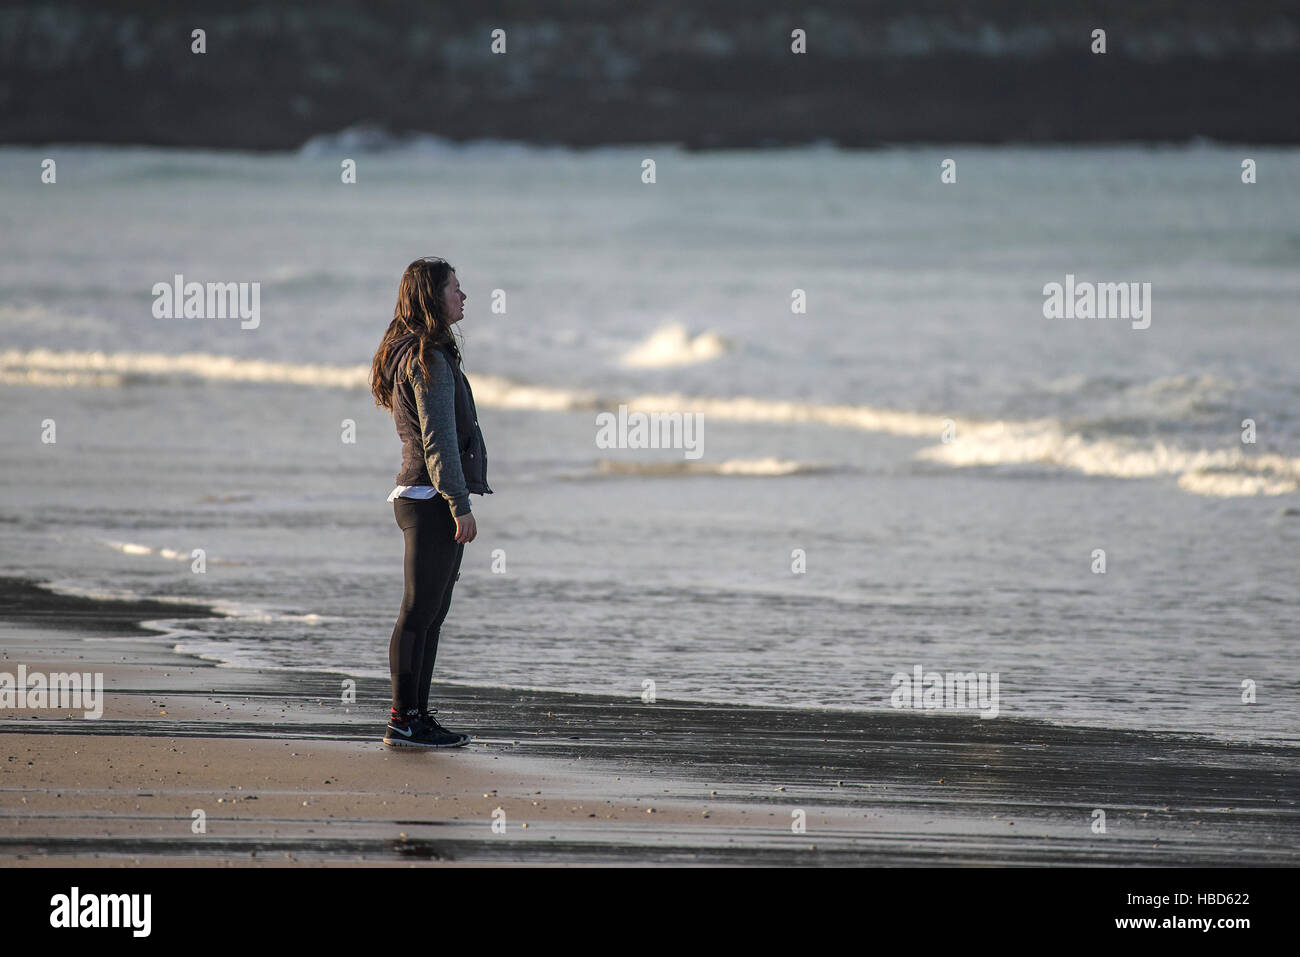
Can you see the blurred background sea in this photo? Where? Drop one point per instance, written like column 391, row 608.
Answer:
column 596, row 569
column 822, row 430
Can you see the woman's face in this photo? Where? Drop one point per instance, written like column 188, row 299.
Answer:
column 453, row 300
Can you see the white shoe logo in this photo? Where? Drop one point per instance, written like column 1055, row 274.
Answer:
column 401, row 732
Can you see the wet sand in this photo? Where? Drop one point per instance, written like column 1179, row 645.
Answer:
column 286, row 772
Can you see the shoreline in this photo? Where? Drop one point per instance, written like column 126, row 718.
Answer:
column 285, row 771
column 28, row 601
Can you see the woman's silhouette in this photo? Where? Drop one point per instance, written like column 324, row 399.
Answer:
column 416, row 375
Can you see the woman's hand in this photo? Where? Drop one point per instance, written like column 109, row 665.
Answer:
column 466, row 529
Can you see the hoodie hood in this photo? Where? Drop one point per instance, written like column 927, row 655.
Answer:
column 402, row 346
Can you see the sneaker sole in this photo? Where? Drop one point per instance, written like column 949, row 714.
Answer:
column 400, row 743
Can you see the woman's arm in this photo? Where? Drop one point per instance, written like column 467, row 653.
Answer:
column 436, row 405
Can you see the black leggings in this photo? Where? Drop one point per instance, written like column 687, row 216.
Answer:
column 432, row 566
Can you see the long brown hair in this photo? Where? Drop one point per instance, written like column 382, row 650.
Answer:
column 419, row 312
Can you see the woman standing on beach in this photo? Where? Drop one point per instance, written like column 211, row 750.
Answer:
column 416, row 375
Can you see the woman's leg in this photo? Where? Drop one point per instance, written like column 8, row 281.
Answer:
column 431, row 636
column 432, row 553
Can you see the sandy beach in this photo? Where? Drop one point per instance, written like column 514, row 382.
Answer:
column 285, row 772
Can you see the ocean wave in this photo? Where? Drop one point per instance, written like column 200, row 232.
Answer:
column 768, row 466
column 104, row 593
column 788, row 412
column 131, row 548
column 134, row 548
column 673, row 345
column 221, row 608
column 1043, row 442
column 371, row 138
column 1227, row 484
column 497, row 392
column 224, row 608
column 49, row 367
column 67, row 379
column 1220, row 472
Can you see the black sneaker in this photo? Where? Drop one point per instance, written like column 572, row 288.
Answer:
column 402, row 731
column 416, row 730
column 434, row 728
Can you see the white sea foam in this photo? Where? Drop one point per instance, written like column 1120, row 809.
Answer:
column 788, row 412
column 130, row 548
column 1222, row 472
column 244, row 611
column 78, row 589
column 113, row 369
column 497, row 392
column 65, row 379
column 369, row 138
column 224, row 653
column 673, row 345
column 134, row 548
column 756, row 467
column 1234, row 484
column 1044, row 442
